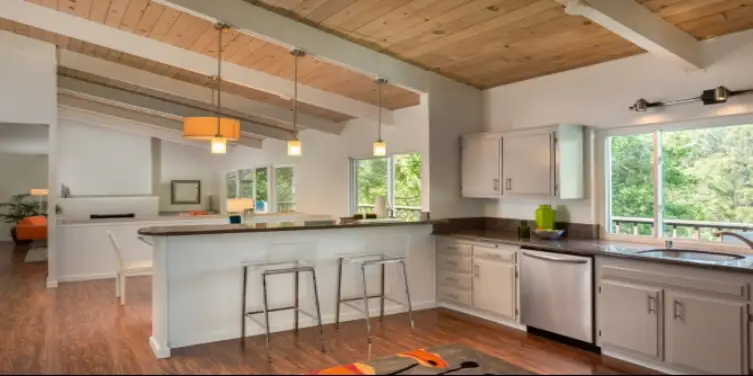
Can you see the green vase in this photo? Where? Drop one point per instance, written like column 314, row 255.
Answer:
column 545, row 217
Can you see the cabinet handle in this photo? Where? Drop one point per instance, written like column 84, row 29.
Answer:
column 508, row 184
column 651, row 299
column 496, row 184
column 476, row 271
column 677, row 307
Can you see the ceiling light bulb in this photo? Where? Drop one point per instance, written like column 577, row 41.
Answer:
column 219, row 145
column 721, row 94
column 295, row 147
column 380, row 148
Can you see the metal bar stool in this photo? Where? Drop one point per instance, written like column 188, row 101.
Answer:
column 270, row 268
column 365, row 261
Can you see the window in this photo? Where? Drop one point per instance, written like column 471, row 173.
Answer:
column 255, row 184
column 396, row 177
column 284, row 189
column 704, row 183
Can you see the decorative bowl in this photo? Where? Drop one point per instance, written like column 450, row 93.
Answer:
column 548, row 234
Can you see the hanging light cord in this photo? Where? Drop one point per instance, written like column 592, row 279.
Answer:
column 380, row 83
column 220, row 27
column 296, row 54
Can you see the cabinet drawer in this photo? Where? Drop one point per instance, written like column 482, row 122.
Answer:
column 499, row 254
column 460, row 264
column 456, row 280
column 454, row 296
column 452, row 248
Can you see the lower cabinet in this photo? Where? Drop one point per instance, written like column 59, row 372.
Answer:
column 494, row 287
column 629, row 318
column 705, row 334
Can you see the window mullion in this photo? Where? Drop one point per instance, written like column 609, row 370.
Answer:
column 658, row 177
column 391, row 182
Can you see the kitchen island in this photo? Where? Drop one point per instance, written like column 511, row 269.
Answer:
column 197, row 274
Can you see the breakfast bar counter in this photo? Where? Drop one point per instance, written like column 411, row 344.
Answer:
column 197, row 275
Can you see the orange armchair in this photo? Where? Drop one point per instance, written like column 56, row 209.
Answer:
column 32, row 228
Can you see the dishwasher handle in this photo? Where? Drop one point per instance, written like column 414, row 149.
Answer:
column 556, row 259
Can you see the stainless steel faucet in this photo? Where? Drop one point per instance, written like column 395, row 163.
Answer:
column 668, row 244
column 745, row 240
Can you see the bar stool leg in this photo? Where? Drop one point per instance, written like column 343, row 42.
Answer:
column 243, row 308
column 316, row 301
column 366, row 303
column 381, row 296
column 266, row 312
column 407, row 294
column 339, row 292
column 295, row 302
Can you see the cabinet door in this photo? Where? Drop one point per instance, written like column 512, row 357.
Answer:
column 629, row 318
column 494, row 287
column 705, row 334
column 528, row 164
column 481, row 165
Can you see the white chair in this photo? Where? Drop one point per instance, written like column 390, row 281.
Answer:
column 125, row 269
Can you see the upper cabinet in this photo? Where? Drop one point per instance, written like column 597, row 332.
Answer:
column 481, row 169
column 541, row 162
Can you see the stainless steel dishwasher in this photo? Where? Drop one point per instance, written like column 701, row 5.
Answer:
column 557, row 293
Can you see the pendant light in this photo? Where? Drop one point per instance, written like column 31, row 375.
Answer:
column 380, row 148
column 295, row 148
column 219, row 130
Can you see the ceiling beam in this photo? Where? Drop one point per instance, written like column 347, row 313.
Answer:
column 155, row 103
column 254, row 109
column 95, row 33
column 92, row 112
column 271, row 26
column 642, row 27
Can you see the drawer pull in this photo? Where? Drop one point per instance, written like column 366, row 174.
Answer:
column 452, row 296
column 452, row 279
column 451, row 262
column 451, row 248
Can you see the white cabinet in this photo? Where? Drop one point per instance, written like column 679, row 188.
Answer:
column 705, row 334
column 528, row 164
column 494, row 287
column 629, row 318
column 481, row 166
column 540, row 162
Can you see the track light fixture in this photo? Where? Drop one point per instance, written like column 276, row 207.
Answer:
column 712, row 96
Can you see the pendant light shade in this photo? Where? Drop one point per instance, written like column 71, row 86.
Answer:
column 295, row 148
column 219, row 145
column 380, row 147
column 217, row 129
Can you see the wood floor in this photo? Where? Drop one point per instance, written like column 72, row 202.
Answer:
column 80, row 328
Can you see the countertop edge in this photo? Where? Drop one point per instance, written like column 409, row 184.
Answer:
column 238, row 229
column 557, row 248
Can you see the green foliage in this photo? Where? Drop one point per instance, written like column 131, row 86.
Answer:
column 707, row 176
column 284, row 188
column 262, row 184
column 372, row 178
column 21, row 206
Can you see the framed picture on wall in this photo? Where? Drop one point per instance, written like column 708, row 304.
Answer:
column 185, row 192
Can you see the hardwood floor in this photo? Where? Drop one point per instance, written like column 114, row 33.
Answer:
column 80, row 328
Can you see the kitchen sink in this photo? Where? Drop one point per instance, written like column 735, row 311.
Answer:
column 691, row 255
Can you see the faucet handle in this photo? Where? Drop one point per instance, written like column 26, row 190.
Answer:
column 669, row 244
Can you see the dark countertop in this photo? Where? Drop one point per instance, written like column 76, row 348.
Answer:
column 603, row 248
column 280, row 226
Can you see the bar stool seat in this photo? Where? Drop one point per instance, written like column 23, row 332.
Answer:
column 364, row 261
column 278, row 267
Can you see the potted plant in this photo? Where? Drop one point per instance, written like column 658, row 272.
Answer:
column 20, row 207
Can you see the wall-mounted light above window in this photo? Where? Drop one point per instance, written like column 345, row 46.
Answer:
column 712, row 96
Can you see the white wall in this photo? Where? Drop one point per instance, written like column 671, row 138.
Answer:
column 94, row 160
column 19, row 173
column 322, row 172
column 182, row 162
column 599, row 96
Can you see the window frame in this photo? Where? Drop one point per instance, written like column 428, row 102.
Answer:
column 271, row 184
column 353, row 179
column 602, row 177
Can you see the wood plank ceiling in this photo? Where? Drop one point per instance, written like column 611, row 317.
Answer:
column 155, row 21
column 487, row 43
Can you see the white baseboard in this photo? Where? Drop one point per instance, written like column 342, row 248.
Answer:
column 305, row 322
column 51, row 284
column 93, row 276
column 484, row 315
column 159, row 351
